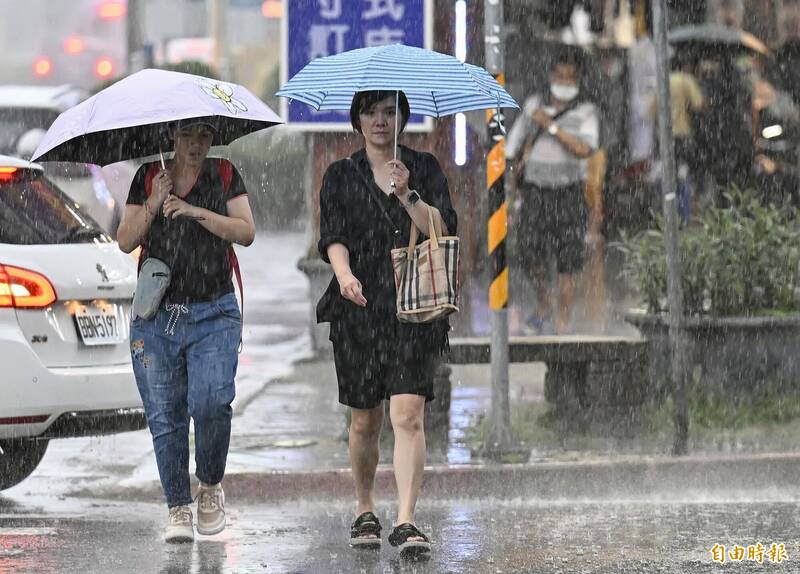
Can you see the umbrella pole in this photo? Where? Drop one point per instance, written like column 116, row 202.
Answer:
column 396, row 110
column 161, row 155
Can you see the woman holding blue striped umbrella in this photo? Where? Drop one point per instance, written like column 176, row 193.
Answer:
column 367, row 204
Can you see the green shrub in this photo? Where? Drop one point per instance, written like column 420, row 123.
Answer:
column 740, row 260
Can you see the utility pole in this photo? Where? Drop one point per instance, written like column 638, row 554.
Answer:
column 677, row 339
column 499, row 440
column 218, row 30
column 134, row 41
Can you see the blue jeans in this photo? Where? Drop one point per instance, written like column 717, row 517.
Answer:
column 185, row 360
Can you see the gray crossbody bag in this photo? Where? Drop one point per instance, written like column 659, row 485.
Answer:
column 152, row 283
column 154, row 278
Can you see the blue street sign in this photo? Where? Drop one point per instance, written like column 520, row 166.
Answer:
column 318, row 28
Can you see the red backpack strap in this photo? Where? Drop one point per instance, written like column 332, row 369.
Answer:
column 151, row 172
column 225, row 170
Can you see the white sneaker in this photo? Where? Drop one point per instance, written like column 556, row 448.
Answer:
column 210, row 509
column 180, row 527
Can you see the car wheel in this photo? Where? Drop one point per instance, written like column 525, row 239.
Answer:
column 18, row 459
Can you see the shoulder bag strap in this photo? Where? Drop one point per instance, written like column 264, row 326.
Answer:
column 378, row 200
column 151, row 172
column 537, row 134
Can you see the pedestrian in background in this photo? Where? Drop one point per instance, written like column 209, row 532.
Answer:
column 188, row 213
column 686, row 99
column 363, row 200
column 555, row 134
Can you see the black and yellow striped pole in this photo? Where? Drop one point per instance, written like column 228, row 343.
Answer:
column 499, row 438
column 498, row 208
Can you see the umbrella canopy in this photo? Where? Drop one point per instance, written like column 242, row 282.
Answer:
column 130, row 118
column 435, row 84
column 716, row 36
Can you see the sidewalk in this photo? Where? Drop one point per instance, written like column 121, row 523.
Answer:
column 293, row 434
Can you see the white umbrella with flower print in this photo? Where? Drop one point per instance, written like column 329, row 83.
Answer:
column 130, row 118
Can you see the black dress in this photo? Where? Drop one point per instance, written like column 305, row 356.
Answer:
column 376, row 355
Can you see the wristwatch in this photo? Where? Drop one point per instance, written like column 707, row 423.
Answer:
column 412, row 198
column 552, row 129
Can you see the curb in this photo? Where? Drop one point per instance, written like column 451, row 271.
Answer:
column 703, row 478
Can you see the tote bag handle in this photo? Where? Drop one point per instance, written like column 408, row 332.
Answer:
column 435, row 230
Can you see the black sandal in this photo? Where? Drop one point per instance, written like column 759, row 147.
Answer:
column 400, row 538
column 364, row 528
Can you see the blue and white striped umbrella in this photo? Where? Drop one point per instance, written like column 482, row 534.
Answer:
column 435, row 84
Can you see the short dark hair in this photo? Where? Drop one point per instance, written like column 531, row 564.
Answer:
column 365, row 102
column 570, row 57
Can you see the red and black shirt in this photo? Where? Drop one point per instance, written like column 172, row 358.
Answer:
column 199, row 260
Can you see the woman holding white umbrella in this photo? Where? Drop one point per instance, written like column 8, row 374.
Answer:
column 185, row 214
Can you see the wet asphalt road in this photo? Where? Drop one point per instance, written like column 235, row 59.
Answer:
column 71, row 536
column 63, row 534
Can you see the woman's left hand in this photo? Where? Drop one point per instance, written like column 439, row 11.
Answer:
column 175, row 207
column 399, row 174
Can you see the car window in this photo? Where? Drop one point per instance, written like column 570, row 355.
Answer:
column 33, row 211
column 14, row 122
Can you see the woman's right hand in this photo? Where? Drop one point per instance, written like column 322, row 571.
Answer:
column 162, row 186
column 350, row 288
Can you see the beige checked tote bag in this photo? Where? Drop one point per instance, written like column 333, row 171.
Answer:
column 426, row 275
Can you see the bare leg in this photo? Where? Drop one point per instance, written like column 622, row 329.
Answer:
column 407, row 413
column 566, row 290
column 365, row 432
column 542, row 287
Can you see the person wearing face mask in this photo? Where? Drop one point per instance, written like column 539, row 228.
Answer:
column 553, row 138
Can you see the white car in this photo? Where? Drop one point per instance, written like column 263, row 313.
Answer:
column 65, row 299
column 26, row 112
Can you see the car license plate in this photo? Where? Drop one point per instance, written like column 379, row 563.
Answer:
column 98, row 325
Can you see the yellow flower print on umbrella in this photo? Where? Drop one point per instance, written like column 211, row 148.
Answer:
column 224, row 93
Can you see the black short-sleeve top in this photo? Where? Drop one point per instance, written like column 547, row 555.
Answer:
column 198, row 259
column 350, row 215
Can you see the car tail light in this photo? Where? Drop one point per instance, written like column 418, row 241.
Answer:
column 24, row 289
column 35, row 419
column 42, row 67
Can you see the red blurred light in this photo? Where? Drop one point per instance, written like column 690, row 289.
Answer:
column 74, row 45
column 112, row 10
column 272, row 9
column 8, row 173
column 42, row 67
column 104, row 67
